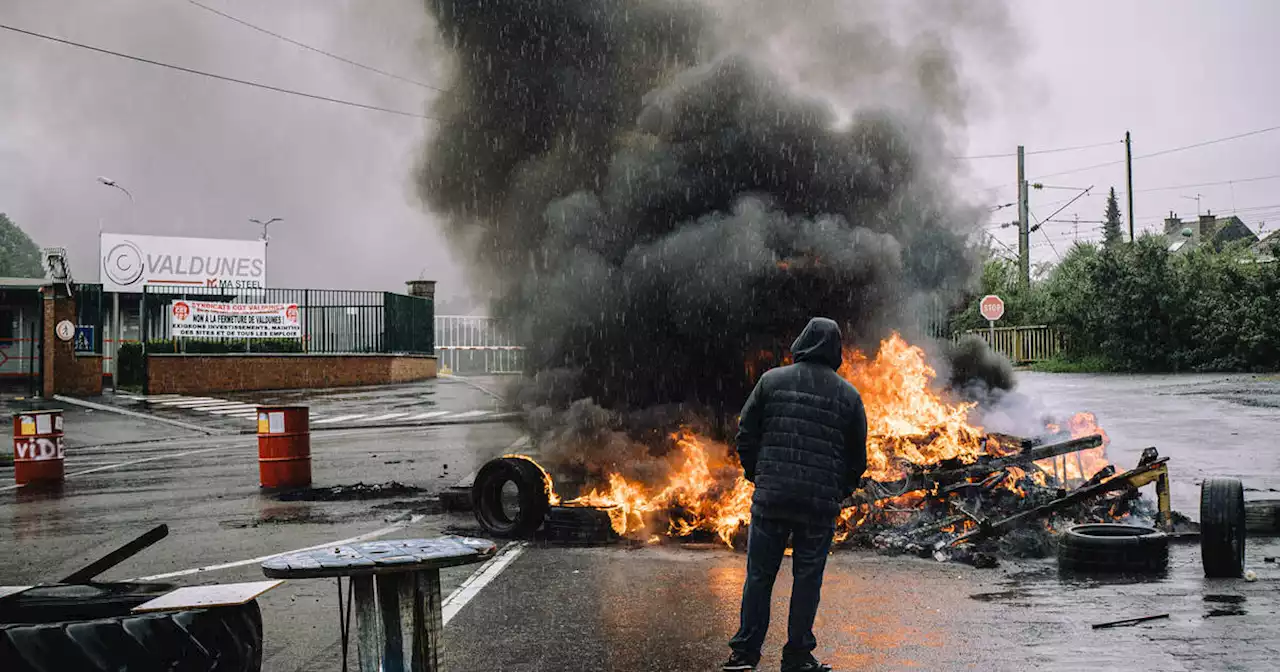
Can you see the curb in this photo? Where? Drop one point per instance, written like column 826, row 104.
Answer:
column 208, row 431
column 467, row 381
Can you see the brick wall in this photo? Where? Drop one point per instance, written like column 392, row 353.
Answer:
column 201, row 374
column 65, row 372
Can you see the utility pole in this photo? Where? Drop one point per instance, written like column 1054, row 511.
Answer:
column 1128, row 165
column 1077, row 227
column 1024, row 221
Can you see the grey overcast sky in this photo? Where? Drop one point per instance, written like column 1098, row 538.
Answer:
column 202, row 156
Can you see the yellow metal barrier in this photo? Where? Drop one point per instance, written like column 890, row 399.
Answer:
column 1021, row 344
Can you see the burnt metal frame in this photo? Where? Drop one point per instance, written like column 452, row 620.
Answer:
column 1151, row 468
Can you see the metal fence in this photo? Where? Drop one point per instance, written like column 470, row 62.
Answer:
column 477, row 344
column 334, row 321
column 1022, row 344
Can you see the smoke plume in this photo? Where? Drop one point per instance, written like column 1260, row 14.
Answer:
column 661, row 193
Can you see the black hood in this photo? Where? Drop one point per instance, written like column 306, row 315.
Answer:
column 820, row 343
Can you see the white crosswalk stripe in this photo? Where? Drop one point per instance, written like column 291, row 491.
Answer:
column 234, row 409
column 427, row 416
column 340, row 418
column 388, row 416
column 469, row 414
column 243, row 411
column 187, row 401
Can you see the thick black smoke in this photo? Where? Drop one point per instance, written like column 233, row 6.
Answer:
column 978, row 373
column 655, row 211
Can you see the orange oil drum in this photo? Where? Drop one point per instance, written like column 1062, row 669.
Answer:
column 38, row 449
column 284, row 446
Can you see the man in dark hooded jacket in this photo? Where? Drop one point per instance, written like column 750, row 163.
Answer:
column 802, row 440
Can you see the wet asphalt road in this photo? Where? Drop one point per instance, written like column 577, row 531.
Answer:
column 673, row 607
column 352, row 406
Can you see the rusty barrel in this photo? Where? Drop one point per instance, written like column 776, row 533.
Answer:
column 38, row 450
column 284, row 446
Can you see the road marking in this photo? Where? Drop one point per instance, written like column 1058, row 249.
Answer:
column 227, row 410
column 388, row 416
column 480, row 578
column 130, row 463
column 432, row 414
column 195, row 404
column 470, row 414
column 241, row 563
column 134, row 414
column 182, row 401
column 340, row 418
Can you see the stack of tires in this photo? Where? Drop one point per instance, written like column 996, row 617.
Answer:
column 89, row 627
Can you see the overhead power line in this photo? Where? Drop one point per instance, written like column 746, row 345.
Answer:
column 1055, row 150
column 1163, row 152
column 211, row 75
column 1242, row 180
column 317, row 50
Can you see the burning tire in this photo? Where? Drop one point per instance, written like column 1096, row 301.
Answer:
column 1222, row 528
column 90, row 627
column 1106, row 548
column 510, row 497
column 578, row 525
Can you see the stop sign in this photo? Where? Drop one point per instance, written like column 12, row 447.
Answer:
column 991, row 307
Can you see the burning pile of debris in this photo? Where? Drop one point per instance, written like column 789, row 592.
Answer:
column 936, row 484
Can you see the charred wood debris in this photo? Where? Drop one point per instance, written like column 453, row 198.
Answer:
column 1002, row 506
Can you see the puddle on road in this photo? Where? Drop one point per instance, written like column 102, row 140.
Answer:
column 1225, row 605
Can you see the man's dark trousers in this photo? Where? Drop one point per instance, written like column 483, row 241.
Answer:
column 766, row 544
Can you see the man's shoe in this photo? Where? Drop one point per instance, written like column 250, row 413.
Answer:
column 738, row 663
column 811, row 665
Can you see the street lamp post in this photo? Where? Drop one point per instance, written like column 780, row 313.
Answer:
column 116, row 327
column 266, row 240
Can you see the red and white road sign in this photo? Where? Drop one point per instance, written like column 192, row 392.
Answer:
column 991, row 307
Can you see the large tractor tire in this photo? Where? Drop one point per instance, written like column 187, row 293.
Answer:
column 90, row 628
column 1222, row 528
column 1106, row 548
column 510, row 497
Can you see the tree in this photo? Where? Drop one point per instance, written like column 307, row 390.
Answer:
column 1111, row 233
column 19, row 256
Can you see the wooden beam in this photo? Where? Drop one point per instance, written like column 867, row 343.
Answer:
column 118, row 556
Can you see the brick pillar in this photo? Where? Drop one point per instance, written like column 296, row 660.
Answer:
column 423, row 289
column 64, row 371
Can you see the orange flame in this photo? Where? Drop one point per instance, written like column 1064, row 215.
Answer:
column 907, row 420
column 1084, row 464
column 695, row 497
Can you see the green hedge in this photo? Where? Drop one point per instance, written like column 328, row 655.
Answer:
column 1138, row 307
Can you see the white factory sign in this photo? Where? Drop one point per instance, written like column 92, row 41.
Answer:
column 131, row 262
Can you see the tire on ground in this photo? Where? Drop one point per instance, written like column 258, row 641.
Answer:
column 531, row 501
column 582, row 525
column 1222, row 527
column 1107, row 548
column 46, row 629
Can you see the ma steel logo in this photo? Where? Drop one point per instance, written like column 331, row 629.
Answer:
column 130, row 263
